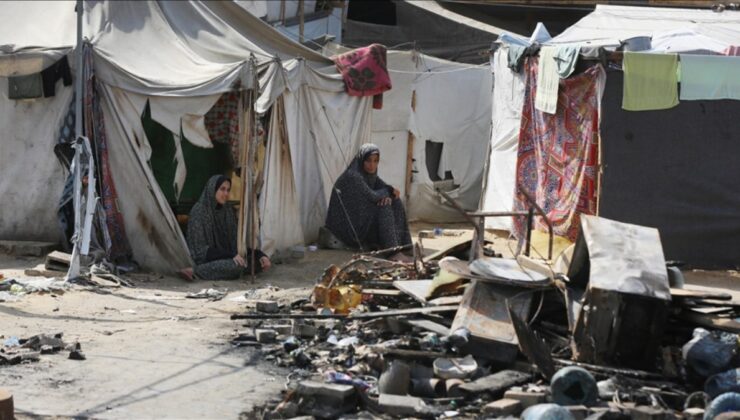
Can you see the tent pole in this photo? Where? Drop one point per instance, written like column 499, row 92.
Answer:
column 301, row 20
column 74, row 264
column 410, row 155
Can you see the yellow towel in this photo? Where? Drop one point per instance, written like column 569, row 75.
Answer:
column 650, row 81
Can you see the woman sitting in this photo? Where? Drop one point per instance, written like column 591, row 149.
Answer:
column 365, row 212
column 212, row 231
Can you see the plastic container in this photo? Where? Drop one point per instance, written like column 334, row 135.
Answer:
column 547, row 412
column 722, row 383
column 573, row 385
column 723, row 404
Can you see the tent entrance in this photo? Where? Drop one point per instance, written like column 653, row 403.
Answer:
column 200, row 163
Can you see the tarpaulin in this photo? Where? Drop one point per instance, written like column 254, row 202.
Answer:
column 506, row 115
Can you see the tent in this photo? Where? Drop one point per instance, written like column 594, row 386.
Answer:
column 670, row 169
column 434, row 124
column 176, row 60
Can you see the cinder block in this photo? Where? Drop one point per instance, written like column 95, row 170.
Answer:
column 267, row 306
column 265, row 336
column 502, row 408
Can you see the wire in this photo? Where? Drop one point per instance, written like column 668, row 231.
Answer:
column 440, row 72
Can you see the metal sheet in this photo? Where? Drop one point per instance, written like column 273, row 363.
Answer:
column 462, row 269
column 484, row 313
column 625, row 258
column 535, row 349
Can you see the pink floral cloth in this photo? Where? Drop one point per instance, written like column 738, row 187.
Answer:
column 365, row 72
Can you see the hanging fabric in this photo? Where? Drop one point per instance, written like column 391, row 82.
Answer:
column 365, row 72
column 120, row 249
column 650, row 81
column 557, row 159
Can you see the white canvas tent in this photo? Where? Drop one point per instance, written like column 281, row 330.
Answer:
column 671, row 30
column 439, row 101
column 179, row 57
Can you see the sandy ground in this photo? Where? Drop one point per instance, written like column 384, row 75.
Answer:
column 152, row 353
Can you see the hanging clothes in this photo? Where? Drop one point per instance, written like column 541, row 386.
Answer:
column 548, row 80
column 566, row 58
column 212, row 233
column 354, row 215
column 515, row 56
column 557, row 159
column 650, row 81
column 709, row 77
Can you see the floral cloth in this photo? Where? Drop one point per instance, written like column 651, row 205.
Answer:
column 557, row 161
column 365, row 72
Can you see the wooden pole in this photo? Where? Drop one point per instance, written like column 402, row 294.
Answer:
column 282, row 12
column 410, row 155
column 246, row 105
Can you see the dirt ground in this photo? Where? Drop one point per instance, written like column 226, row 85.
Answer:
column 152, row 353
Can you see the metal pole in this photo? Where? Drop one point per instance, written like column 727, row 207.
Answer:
column 78, row 81
column 74, row 263
column 301, row 19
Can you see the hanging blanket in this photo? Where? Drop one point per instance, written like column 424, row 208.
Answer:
column 557, row 160
column 222, row 123
column 365, row 72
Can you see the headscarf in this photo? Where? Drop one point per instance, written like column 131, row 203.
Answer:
column 366, row 150
column 211, row 225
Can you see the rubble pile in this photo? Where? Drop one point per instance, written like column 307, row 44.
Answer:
column 14, row 350
column 609, row 332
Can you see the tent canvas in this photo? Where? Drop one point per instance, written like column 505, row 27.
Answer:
column 194, row 52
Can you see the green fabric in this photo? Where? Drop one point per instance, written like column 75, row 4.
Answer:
column 201, row 163
column 650, row 81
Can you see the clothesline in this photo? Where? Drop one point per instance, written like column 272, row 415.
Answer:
column 440, row 72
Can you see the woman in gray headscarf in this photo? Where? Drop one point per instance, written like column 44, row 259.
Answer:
column 211, row 236
column 364, row 211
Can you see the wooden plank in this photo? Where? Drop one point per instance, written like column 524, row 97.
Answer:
column 497, row 383
column 363, row 315
column 699, row 294
column 710, row 321
column 446, row 300
column 408, row 311
column 382, row 292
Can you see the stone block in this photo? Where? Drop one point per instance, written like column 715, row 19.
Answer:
column 527, row 399
column 502, row 408
column 325, row 400
column 267, row 306
column 265, row 336
column 402, row 405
